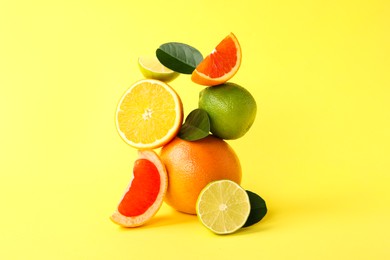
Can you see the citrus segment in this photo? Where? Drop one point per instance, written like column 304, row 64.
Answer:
column 223, row 206
column 143, row 190
column 152, row 68
column 149, row 114
column 191, row 165
column 145, row 193
column 221, row 64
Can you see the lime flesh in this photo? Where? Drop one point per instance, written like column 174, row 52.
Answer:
column 223, row 206
column 151, row 68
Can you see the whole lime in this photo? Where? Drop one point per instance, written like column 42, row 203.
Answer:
column 231, row 109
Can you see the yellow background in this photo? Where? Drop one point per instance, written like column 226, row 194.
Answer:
column 318, row 152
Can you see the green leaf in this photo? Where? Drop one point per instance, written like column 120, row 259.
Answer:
column 258, row 209
column 196, row 126
column 179, row 57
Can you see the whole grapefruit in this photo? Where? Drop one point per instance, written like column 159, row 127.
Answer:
column 191, row 165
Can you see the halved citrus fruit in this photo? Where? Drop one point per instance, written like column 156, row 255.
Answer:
column 151, row 68
column 145, row 193
column 223, row 206
column 221, row 64
column 149, row 114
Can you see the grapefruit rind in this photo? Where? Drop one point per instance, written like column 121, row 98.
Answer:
column 126, row 221
column 203, row 79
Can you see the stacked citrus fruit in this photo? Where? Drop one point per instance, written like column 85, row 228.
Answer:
column 196, row 171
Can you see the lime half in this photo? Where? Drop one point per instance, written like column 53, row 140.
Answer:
column 223, row 206
column 151, row 68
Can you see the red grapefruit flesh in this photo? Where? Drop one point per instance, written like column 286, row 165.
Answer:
column 145, row 193
column 221, row 64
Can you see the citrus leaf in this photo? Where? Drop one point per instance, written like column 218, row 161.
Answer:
column 179, row 57
column 196, row 126
column 258, row 209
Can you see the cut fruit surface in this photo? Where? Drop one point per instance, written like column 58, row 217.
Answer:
column 145, row 193
column 149, row 114
column 151, row 68
column 145, row 185
column 223, row 206
column 221, row 64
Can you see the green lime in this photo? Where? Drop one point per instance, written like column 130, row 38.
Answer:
column 151, row 68
column 231, row 109
column 223, row 206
